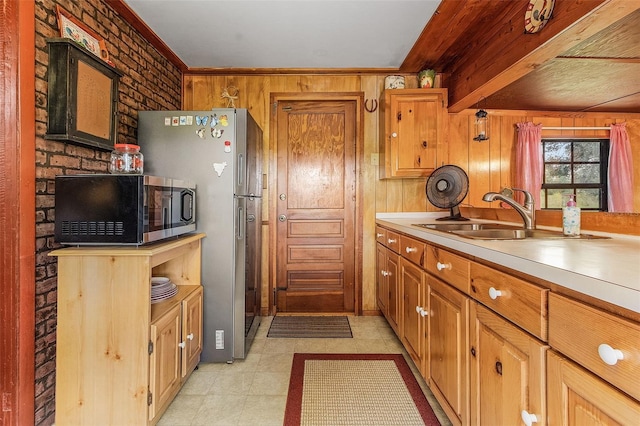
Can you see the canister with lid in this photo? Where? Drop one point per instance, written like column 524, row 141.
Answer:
column 126, row 159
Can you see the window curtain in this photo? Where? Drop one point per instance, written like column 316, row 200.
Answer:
column 529, row 162
column 620, row 179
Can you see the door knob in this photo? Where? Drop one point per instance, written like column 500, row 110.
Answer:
column 282, row 218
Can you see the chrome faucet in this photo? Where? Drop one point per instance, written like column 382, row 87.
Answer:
column 528, row 211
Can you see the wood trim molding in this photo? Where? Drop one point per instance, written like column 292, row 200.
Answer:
column 17, row 214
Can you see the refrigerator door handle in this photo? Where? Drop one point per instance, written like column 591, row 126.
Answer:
column 241, row 223
column 241, row 169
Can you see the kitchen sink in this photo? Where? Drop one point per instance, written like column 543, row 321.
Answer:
column 465, row 226
column 498, row 231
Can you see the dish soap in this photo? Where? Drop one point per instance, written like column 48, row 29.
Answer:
column 571, row 218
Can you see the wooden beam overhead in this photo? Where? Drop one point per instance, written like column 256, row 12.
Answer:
column 513, row 53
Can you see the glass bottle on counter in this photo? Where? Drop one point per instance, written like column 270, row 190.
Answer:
column 126, row 159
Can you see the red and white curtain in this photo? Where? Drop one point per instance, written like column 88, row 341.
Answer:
column 529, row 163
column 620, row 198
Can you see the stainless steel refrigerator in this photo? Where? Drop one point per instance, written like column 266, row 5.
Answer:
column 221, row 151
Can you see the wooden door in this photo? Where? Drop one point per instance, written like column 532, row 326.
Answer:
column 448, row 349
column 578, row 398
column 191, row 331
column 395, row 295
column 316, row 194
column 507, row 371
column 382, row 279
column 414, row 311
column 165, row 360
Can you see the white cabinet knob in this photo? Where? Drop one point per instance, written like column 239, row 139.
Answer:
column 609, row 355
column 442, row 266
column 384, row 273
column 529, row 419
column 182, row 345
column 190, row 336
column 378, row 235
column 391, row 241
column 411, row 250
column 418, row 308
column 421, row 311
column 494, row 294
column 394, row 135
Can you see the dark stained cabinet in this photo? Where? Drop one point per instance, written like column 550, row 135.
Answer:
column 82, row 96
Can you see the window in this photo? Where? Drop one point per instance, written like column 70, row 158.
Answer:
column 578, row 167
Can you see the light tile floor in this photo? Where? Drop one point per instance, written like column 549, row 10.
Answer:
column 253, row 391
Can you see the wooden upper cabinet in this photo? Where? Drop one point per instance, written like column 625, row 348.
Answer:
column 412, row 126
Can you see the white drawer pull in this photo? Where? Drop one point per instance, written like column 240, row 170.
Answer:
column 494, row 294
column 378, row 235
column 442, row 266
column 385, row 273
column 394, row 135
column 190, row 336
column 529, row 419
column 182, row 345
column 391, row 241
column 421, row 311
column 411, row 250
column 609, row 355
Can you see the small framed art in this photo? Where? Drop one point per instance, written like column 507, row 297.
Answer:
column 72, row 28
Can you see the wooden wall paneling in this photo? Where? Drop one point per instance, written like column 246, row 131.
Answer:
column 414, row 198
column 394, row 195
column 508, row 141
column 458, row 142
column 370, row 86
column 479, row 163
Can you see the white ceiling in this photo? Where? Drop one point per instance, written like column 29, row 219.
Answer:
column 287, row 33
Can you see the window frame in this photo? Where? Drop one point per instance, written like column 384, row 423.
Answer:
column 604, row 163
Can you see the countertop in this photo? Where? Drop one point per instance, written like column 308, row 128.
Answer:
column 607, row 269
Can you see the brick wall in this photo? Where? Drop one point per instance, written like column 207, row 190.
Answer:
column 150, row 82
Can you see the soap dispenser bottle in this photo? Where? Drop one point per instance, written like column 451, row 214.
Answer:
column 571, row 218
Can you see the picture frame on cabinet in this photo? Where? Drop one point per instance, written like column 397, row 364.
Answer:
column 71, row 28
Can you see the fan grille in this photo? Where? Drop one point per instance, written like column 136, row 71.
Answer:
column 446, row 188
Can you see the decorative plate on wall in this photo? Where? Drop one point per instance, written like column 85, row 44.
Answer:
column 537, row 15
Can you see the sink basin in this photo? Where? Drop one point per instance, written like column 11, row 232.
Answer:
column 521, row 234
column 498, row 231
column 465, row 226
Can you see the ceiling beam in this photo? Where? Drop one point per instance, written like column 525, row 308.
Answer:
column 513, row 54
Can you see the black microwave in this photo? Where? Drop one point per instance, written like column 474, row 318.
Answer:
column 122, row 209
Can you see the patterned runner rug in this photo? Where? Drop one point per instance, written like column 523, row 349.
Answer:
column 313, row 326
column 355, row 389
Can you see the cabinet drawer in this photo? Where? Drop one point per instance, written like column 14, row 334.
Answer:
column 393, row 241
column 412, row 249
column 381, row 235
column 521, row 302
column 578, row 331
column 449, row 267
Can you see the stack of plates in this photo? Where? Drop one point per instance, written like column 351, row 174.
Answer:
column 162, row 289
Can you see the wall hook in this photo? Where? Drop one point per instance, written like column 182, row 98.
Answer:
column 374, row 105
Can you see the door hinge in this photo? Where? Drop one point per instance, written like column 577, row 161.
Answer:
column 399, row 116
column 150, row 348
column 149, row 397
column 275, row 107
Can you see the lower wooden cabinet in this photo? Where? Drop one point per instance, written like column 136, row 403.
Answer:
column 164, row 360
column 121, row 359
column 576, row 397
column 176, row 339
column 507, row 371
column 414, row 312
column 448, row 354
column 388, row 287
